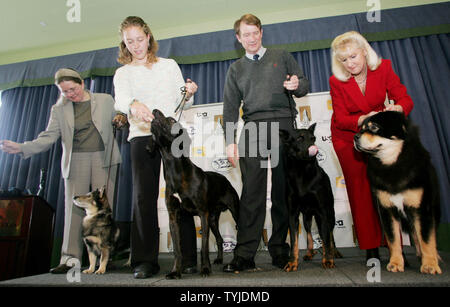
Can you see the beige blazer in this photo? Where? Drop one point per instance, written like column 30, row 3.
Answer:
column 61, row 124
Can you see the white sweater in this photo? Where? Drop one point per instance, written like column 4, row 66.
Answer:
column 158, row 88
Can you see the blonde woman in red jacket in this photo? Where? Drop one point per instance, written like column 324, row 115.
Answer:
column 359, row 85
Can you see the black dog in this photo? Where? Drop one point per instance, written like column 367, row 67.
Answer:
column 188, row 187
column 309, row 192
column 405, row 185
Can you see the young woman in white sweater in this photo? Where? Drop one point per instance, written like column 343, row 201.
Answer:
column 144, row 83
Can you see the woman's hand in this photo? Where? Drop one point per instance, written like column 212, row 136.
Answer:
column 141, row 112
column 120, row 120
column 362, row 118
column 394, row 107
column 191, row 88
column 10, row 147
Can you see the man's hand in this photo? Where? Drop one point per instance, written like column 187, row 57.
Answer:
column 291, row 83
column 232, row 154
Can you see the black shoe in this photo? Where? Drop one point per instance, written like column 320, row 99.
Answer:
column 189, row 269
column 280, row 261
column 60, row 269
column 239, row 264
column 372, row 253
column 145, row 270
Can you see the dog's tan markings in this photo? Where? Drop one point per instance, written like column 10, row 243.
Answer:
column 430, row 257
column 310, row 252
column 328, row 254
column 384, row 198
column 396, row 263
column 413, row 197
column 292, row 266
column 389, row 200
column 390, row 150
column 103, row 261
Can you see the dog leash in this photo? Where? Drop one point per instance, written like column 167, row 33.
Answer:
column 183, row 90
column 291, row 104
column 110, row 159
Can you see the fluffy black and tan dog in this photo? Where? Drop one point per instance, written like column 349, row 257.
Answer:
column 405, row 185
column 100, row 232
column 309, row 192
column 188, row 187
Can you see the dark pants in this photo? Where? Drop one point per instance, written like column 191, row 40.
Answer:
column 144, row 228
column 252, row 212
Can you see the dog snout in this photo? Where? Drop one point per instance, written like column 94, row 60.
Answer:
column 313, row 150
column 157, row 113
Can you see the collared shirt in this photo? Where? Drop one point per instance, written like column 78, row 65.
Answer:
column 260, row 52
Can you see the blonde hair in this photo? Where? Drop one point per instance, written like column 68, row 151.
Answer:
column 339, row 43
column 125, row 56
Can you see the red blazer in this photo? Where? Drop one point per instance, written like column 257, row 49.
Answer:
column 349, row 103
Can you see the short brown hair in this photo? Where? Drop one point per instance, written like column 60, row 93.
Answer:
column 125, row 56
column 247, row 19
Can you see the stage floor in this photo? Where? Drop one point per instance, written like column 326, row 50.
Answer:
column 350, row 271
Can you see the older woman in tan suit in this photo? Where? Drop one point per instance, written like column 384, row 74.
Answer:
column 83, row 122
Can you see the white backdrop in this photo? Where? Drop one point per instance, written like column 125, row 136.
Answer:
column 208, row 152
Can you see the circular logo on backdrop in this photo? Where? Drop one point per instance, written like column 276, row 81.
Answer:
column 229, row 243
column 221, row 164
column 321, row 156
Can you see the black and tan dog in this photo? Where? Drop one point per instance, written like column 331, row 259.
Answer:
column 309, row 192
column 404, row 182
column 100, row 232
column 188, row 187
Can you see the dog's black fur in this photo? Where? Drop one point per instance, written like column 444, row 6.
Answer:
column 309, row 192
column 100, row 232
column 405, row 185
column 188, row 187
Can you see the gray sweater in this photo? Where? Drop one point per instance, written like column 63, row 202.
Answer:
column 259, row 85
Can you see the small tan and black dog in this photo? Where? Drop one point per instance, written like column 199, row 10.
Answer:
column 405, row 185
column 100, row 232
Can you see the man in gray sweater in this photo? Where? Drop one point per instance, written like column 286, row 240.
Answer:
column 262, row 80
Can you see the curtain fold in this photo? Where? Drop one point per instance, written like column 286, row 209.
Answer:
column 422, row 64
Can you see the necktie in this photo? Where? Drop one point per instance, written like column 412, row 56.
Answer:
column 255, row 57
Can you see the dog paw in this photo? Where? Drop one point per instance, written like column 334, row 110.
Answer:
column 430, row 268
column 205, row 272
column 328, row 264
column 173, row 275
column 100, row 271
column 88, row 271
column 291, row 266
column 395, row 267
column 309, row 255
column 336, row 254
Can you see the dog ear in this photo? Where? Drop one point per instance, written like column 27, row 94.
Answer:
column 284, row 135
column 152, row 146
column 312, row 127
column 102, row 191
